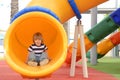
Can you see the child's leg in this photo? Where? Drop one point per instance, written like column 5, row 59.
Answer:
column 31, row 59
column 37, row 59
column 44, row 59
column 31, row 56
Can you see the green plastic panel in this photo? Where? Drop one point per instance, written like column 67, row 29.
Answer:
column 102, row 29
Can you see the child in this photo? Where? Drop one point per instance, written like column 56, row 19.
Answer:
column 37, row 51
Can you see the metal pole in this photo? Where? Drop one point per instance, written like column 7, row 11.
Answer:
column 66, row 26
column 116, row 4
column 93, row 55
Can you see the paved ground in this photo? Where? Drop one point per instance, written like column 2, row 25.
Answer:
column 6, row 73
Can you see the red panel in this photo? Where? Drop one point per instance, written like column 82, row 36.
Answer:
column 115, row 39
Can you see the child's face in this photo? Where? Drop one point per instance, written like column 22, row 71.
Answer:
column 37, row 42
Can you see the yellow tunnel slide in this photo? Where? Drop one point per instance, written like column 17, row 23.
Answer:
column 19, row 35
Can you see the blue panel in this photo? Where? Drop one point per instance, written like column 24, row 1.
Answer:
column 116, row 16
column 32, row 9
column 75, row 9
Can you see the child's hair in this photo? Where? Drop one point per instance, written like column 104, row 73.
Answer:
column 37, row 35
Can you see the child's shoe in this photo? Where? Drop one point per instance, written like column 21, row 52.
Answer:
column 44, row 62
column 32, row 63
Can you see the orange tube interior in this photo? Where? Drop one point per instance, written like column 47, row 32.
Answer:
column 19, row 37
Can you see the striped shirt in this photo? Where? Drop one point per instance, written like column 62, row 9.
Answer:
column 37, row 49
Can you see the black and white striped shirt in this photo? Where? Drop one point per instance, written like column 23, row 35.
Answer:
column 37, row 49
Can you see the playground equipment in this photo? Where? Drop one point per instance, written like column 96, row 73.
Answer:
column 94, row 35
column 79, row 31
column 106, row 45
column 39, row 16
